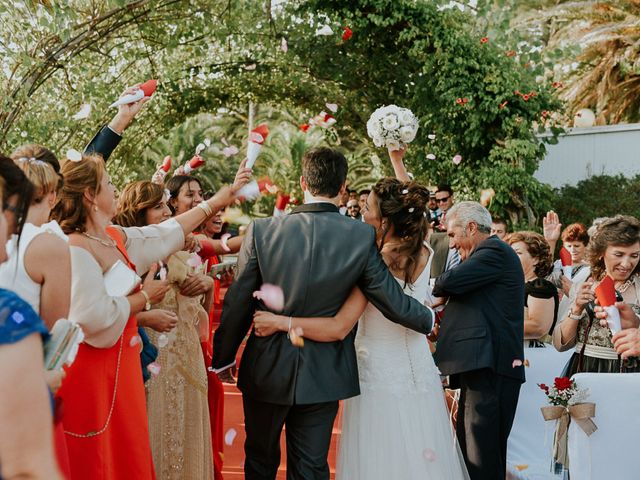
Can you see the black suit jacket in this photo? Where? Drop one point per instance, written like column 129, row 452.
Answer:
column 316, row 256
column 483, row 323
column 103, row 143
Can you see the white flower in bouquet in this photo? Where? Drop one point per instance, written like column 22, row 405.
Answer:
column 390, row 122
column 407, row 134
column 392, row 127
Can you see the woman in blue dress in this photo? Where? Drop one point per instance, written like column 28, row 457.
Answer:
column 26, row 446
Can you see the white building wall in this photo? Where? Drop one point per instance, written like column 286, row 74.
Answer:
column 584, row 152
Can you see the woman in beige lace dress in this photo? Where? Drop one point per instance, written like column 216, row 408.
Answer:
column 177, row 405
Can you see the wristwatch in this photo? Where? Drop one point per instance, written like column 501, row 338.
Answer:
column 572, row 316
column 147, row 305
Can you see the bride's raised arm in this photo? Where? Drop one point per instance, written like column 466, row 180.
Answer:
column 320, row 329
column 397, row 162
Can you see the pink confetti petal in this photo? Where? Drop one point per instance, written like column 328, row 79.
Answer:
column 135, row 340
column 516, row 363
column 457, row 159
column 230, row 151
column 154, row 368
column 223, row 241
column 272, row 296
column 230, row 436
column 194, row 260
column 429, row 455
column 284, row 46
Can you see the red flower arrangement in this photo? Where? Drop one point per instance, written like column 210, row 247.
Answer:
column 563, row 392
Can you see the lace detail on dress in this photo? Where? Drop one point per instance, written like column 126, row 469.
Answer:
column 394, row 358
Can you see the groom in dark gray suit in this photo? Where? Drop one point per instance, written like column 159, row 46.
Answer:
column 316, row 256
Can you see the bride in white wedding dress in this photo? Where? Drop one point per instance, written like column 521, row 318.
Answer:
column 398, row 427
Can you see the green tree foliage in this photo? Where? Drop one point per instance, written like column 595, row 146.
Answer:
column 599, row 196
column 480, row 101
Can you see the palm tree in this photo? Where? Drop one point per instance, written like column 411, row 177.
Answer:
column 605, row 75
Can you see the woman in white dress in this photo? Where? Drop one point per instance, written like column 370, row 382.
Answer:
column 399, row 426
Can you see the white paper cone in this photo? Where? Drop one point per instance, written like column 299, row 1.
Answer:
column 567, row 270
column 253, row 150
column 133, row 97
column 250, row 191
column 613, row 319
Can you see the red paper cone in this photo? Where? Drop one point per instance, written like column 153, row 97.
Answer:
column 565, row 257
column 282, row 201
column 166, row 164
column 606, row 292
column 149, row 87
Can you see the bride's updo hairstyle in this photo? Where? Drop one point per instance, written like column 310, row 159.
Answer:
column 71, row 209
column 404, row 206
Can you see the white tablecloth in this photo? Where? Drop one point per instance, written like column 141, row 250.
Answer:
column 611, row 452
column 531, row 438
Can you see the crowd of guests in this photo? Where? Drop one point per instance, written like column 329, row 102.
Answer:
column 133, row 271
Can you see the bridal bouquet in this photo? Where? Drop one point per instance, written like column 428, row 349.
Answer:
column 392, row 127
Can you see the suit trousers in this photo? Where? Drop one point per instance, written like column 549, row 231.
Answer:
column 485, row 415
column 308, row 433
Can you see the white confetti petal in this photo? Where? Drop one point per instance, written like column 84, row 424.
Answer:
column 431, row 136
column 251, row 66
column 284, row 46
column 230, row 436
column 200, row 148
column 84, row 112
column 332, row 106
column 207, row 142
column 135, row 340
column 74, row 155
column 163, row 340
column 431, row 156
column 324, row 31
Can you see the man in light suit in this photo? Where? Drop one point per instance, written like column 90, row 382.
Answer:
column 317, row 256
column 481, row 336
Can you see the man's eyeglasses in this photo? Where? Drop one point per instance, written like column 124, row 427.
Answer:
column 441, row 200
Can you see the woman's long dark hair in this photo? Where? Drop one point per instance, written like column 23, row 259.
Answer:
column 404, row 205
column 16, row 183
column 174, row 184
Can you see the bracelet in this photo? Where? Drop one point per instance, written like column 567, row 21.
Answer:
column 206, row 208
column 289, row 329
column 572, row 316
column 147, row 305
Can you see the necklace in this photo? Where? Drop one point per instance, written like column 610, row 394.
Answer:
column 109, row 243
column 623, row 288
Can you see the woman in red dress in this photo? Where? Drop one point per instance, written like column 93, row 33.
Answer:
column 105, row 418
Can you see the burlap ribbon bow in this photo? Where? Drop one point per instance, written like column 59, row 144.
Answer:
column 581, row 413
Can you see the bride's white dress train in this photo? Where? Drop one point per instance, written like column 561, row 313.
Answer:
column 398, row 427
